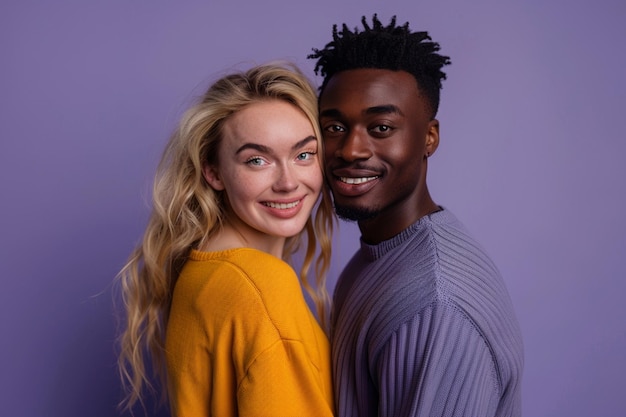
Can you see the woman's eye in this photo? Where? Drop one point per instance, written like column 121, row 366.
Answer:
column 304, row 156
column 255, row 161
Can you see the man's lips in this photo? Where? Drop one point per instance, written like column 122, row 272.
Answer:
column 354, row 175
column 358, row 180
column 353, row 183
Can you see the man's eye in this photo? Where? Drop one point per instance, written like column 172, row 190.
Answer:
column 381, row 129
column 335, row 128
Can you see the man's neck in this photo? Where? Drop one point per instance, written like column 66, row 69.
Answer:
column 387, row 225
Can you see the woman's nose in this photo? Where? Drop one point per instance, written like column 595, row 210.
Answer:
column 286, row 179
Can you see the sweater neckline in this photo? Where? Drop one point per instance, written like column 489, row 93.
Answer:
column 378, row 250
column 199, row 255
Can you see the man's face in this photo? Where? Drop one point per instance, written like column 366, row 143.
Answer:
column 377, row 132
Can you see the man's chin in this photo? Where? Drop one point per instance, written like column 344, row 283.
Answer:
column 355, row 214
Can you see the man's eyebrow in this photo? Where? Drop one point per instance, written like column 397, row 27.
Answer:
column 333, row 113
column 384, row 109
column 268, row 150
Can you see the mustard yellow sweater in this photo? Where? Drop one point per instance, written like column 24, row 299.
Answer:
column 241, row 340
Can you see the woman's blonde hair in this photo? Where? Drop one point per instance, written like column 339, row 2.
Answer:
column 187, row 211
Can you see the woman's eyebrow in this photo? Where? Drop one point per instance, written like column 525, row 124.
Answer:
column 267, row 149
column 304, row 142
column 255, row 146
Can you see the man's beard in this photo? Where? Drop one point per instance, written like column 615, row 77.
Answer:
column 355, row 213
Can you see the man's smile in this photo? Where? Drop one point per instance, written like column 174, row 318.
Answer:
column 357, row 180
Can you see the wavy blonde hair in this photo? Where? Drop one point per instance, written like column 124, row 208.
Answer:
column 187, row 211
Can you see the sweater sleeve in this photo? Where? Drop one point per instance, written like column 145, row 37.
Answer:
column 437, row 364
column 283, row 382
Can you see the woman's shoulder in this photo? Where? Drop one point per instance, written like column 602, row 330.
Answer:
column 242, row 273
column 247, row 285
column 251, row 264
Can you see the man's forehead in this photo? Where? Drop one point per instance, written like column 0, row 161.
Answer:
column 372, row 90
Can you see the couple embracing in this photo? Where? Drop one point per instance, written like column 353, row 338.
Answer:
column 421, row 322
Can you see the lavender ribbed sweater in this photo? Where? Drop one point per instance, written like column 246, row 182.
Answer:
column 423, row 325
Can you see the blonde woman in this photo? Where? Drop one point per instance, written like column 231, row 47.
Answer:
column 212, row 304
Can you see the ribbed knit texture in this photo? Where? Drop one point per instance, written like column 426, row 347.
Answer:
column 422, row 325
column 241, row 340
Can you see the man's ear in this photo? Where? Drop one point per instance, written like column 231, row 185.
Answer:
column 211, row 175
column 432, row 138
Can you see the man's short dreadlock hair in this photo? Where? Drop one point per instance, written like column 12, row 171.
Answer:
column 384, row 47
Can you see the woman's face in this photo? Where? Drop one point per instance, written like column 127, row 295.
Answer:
column 268, row 168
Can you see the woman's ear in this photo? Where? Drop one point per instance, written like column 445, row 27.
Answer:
column 432, row 138
column 211, row 175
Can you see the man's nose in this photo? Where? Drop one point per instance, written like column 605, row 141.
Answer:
column 354, row 146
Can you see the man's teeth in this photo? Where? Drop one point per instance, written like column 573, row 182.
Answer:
column 281, row 206
column 361, row 180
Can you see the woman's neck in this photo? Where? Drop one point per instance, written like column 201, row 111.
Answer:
column 234, row 235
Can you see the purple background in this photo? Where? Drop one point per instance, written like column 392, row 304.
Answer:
column 531, row 159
